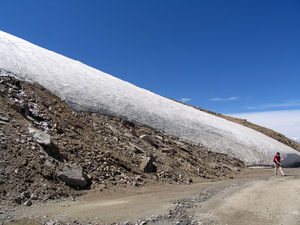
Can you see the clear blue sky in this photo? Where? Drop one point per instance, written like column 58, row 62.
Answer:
column 230, row 57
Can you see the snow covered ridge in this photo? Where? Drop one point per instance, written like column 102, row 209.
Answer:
column 86, row 88
column 296, row 140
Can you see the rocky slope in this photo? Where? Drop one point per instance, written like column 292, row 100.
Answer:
column 42, row 137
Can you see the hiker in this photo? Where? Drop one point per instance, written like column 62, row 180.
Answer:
column 278, row 164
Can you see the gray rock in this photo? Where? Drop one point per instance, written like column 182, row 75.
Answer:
column 114, row 130
column 25, row 194
column 200, row 171
column 229, row 167
column 147, row 138
column 74, row 177
column 48, row 165
column 130, row 149
column 134, row 133
column 18, row 200
column 4, row 119
column 137, row 149
column 129, row 135
column 167, row 150
column 137, row 184
column 34, row 197
column 159, row 137
column 28, row 203
column 40, row 136
column 51, row 223
column 138, row 178
column 213, row 165
column 26, row 108
column 147, row 165
column 16, row 107
column 182, row 146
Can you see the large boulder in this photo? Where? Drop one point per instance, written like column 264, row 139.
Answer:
column 74, row 177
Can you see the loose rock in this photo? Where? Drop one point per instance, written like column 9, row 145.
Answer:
column 74, row 177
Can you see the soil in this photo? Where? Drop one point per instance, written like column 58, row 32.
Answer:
column 111, row 154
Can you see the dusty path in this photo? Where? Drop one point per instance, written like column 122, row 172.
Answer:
column 271, row 201
column 255, row 198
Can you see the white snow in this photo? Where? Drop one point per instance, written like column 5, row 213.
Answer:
column 296, row 140
column 86, row 88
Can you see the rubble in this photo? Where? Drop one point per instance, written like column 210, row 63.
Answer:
column 41, row 136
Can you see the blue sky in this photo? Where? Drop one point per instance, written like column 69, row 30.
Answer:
column 232, row 57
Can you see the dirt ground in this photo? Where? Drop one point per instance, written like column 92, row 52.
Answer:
column 273, row 200
column 253, row 198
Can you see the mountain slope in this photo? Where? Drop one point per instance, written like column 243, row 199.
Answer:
column 85, row 88
column 109, row 150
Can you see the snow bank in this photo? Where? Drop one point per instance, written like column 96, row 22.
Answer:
column 86, row 88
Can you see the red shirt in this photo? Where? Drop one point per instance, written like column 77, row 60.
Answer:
column 277, row 157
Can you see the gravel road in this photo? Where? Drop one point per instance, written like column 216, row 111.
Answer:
column 253, row 198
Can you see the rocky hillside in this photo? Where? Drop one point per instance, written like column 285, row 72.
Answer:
column 48, row 151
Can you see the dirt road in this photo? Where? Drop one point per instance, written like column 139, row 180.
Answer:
column 274, row 200
column 255, row 198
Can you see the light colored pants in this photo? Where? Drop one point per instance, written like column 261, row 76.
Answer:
column 280, row 168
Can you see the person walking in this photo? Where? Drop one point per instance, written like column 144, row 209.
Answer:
column 278, row 164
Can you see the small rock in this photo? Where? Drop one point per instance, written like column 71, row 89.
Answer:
column 167, row 150
column 137, row 149
column 51, row 223
column 25, row 194
column 16, row 107
column 103, row 186
column 139, row 178
column 189, row 180
column 159, row 137
column 137, row 184
column 40, row 136
column 34, row 197
column 4, row 119
column 147, row 138
column 28, row 203
column 18, row 200
column 147, row 165
column 229, row 167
